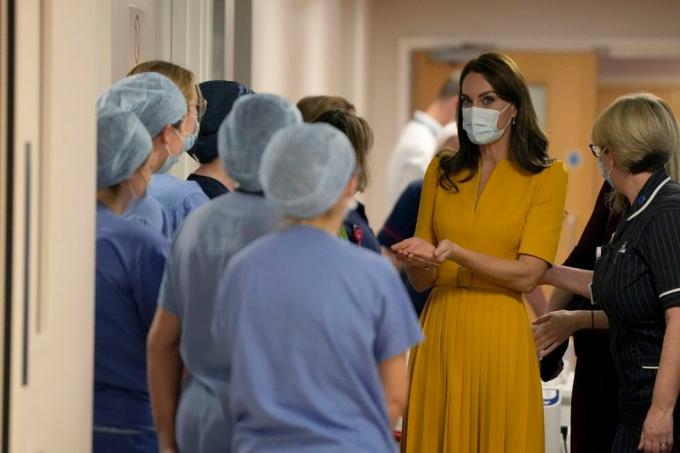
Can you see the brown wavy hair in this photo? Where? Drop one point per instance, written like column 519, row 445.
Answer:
column 360, row 135
column 528, row 145
column 312, row 107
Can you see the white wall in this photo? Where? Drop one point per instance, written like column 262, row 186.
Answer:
column 125, row 39
column 179, row 31
column 306, row 47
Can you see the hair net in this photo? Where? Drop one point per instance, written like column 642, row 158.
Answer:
column 220, row 95
column 123, row 144
column 154, row 98
column 305, row 168
column 246, row 131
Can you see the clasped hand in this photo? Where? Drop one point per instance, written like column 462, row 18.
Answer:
column 418, row 252
column 553, row 329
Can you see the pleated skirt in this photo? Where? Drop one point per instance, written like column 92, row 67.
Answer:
column 475, row 385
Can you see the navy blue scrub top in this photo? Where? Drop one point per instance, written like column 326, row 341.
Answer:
column 210, row 186
column 357, row 229
column 400, row 225
column 129, row 266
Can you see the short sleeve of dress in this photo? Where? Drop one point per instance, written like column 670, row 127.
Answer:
column 662, row 250
column 425, row 225
column 541, row 232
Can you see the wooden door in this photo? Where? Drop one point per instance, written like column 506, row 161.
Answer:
column 607, row 93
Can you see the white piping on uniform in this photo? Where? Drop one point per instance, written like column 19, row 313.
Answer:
column 672, row 291
column 644, row 206
column 647, row 367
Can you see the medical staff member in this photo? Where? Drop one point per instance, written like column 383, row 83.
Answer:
column 161, row 107
column 636, row 278
column 316, row 329
column 178, row 197
column 129, row 266
column 192, row 419
column 211, row 175
column 355, row 225
column 421, row 138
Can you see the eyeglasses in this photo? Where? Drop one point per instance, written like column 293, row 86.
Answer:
column 597, row 150
column 201, row 104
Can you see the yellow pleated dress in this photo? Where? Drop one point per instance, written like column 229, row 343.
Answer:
column 475, row 384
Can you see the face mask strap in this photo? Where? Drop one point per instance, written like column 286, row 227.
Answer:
column 132, row 190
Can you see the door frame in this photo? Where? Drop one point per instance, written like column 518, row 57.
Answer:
column 6, row 203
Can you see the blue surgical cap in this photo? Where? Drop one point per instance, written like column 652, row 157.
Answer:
column 246, row 131
column 123, row 145
column 154, row 98
column 305, row 169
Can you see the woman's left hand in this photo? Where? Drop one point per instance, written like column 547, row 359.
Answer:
column 553, row 329
column 657, row 431
column 445, row 250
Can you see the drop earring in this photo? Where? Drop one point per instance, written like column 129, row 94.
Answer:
column 513, row 120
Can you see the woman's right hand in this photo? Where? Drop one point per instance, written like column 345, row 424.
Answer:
column 416, row 252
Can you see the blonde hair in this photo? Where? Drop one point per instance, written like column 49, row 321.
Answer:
column 643, row 135
column 183, row 78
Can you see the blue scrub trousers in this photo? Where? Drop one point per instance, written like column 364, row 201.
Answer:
column 201, row 425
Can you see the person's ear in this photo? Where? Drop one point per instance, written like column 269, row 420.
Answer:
column 352, row 186
column 166, row 134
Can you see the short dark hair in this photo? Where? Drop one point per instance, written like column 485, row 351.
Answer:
column 450, row 87
column 360, row 135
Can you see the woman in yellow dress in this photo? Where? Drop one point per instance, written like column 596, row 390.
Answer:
column 488, row 227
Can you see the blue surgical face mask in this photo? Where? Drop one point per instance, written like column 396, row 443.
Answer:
column 190, row 139
column 481, row 124
column 169, row 162
column 607, row 175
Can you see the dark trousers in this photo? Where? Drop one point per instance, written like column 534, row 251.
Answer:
column 116, row 440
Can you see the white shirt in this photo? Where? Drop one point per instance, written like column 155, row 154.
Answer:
column 417, row 145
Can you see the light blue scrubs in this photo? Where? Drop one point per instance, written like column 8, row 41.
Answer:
column 149, row 212
column 305, row 318
column 130, row 260
column 200, row 254
column 178, row 197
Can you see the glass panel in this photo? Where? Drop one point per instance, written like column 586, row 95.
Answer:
column 539, row 99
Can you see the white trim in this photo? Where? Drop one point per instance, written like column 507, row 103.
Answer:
column 649, row 367
column 644, row 206
column 667, row 293
column 590, row 291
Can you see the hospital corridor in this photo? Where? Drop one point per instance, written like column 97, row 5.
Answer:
column 339, row 226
